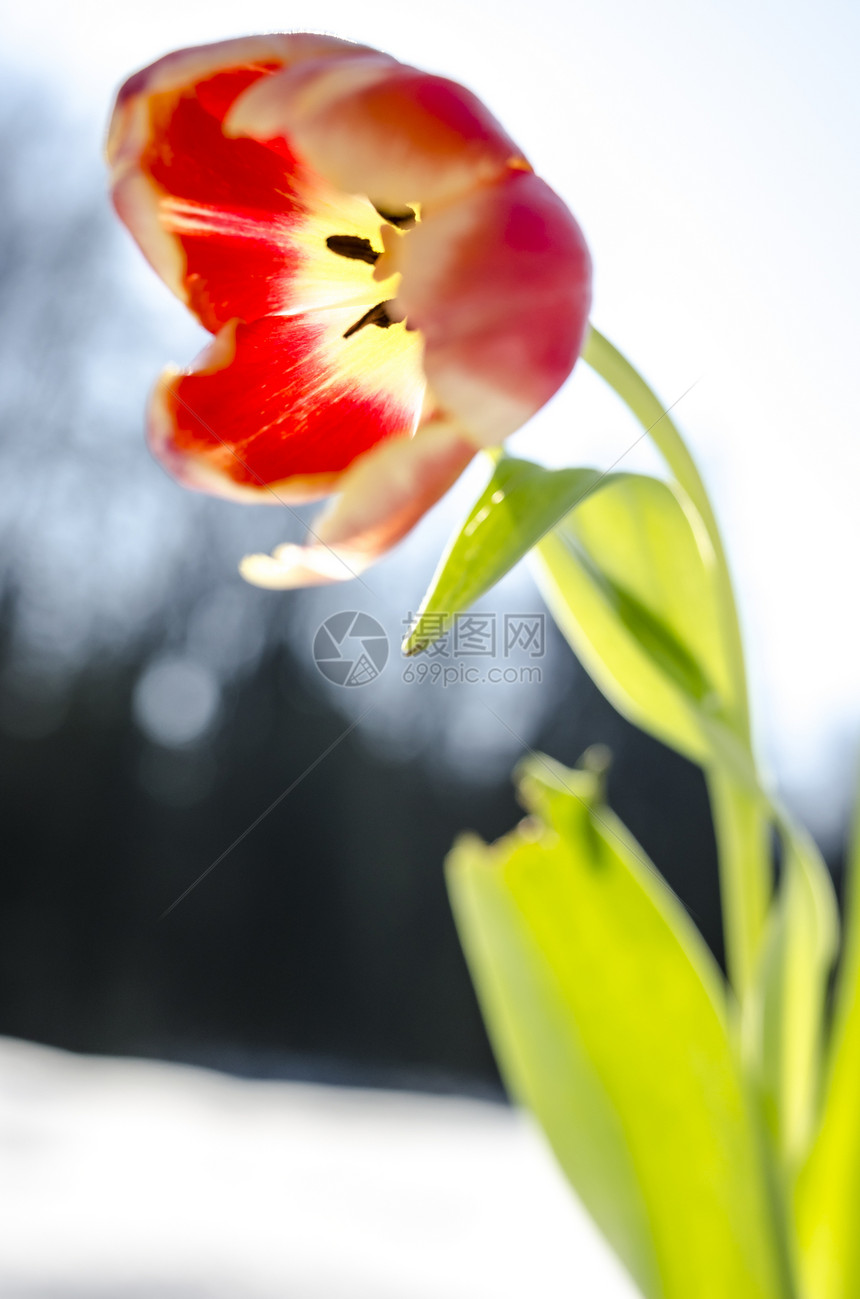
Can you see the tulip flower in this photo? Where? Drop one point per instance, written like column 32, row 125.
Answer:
column 389, row 285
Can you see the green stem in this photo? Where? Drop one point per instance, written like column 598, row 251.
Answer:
column 739, row 823
column 644, row 403
column 741, row 830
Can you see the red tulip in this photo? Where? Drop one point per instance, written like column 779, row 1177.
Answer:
column 389, row 284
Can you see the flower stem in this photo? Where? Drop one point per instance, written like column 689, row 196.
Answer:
column 743, row 845
column 654, row 417
column 740, row 825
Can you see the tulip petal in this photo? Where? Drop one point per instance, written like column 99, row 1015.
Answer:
column 235, row 229
column 499, row 285
column 371, row 251
column 276, row 410
column 383, row 496
column 374, row 126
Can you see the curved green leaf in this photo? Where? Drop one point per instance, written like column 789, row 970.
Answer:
column 799, row 950
column 630, row 579
column 519, row 505
column 828, row 1189
column 609, row 1019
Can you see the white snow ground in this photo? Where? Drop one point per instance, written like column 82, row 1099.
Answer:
column 128, row 1179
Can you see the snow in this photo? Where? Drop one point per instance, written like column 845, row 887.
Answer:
column 129, row 1179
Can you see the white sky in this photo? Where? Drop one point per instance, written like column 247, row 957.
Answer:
column 709, row 151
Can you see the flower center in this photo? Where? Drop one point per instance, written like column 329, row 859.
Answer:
column 403, row 220
column 375, row 316
column 353, row 247
column 358, row 249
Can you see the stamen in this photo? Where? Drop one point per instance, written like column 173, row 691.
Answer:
column 376, row 316
column 401, row 219
column 352, row 246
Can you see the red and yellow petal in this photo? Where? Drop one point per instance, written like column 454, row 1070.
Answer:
column 382, row 497
column 234, row 228
column 276, row 410
column 499, row 285
column 374, row 126
column 233, row 165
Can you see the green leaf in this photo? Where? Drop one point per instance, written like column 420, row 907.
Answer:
column 609, row 1019
column 519, row 505
column 630, row 578
column 800, row 946
column 827, row 1197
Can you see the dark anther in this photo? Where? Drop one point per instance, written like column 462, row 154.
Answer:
column 376, row 316
column 406, row 218
column 359, row 250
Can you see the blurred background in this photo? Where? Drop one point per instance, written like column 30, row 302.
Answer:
column 160, row 721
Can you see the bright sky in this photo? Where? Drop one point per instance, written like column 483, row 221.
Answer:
column 709, row 151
